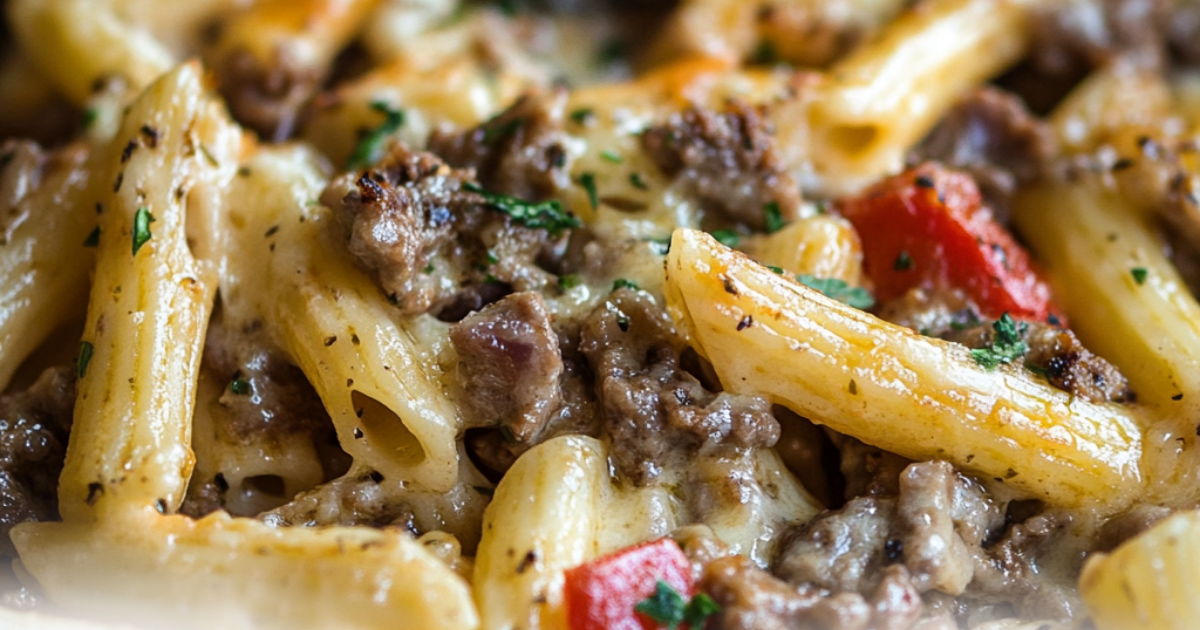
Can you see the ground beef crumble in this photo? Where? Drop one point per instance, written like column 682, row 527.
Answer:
column 34, row 426
column 432, row 244
column 727, row 161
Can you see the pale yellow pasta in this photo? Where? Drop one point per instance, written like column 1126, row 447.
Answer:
column 544, row 518
column 376, row 374
column 80, row 43
column 1110, row 99
column 44, row 264
column 1149, row 581
column 219, row 572
column 823, row 246
column 917, row 396
column 882, row 98
column 1090, row 240
column 149, row 305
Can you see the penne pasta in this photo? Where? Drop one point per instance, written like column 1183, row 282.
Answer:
column 887, row 94
column 240, row 573
column 140, row 353
column 919, row 397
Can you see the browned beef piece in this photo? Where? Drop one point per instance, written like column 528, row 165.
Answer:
column 1061, row 357
column 266, row 98
column 1077, row 34
column 727, row 160
column 992, row 136
column 276, row 399
column 949, row 536
column 432, row 244
column 841, row 550
column 509, row 366
column 750, row 598
column 867, row 470
column 521, row 152
column 34, row 426
column 650, row 407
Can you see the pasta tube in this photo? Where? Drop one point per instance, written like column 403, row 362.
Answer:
column 375, row 373
column 916, row 396
column 43, row 263
column 1148, row 582
column 543, row 519
column 886, row 95
column 219, row 572
column 1091, row 242
column 149, row 307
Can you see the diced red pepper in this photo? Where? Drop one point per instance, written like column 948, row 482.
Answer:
column 927, row 227
column 602, row 594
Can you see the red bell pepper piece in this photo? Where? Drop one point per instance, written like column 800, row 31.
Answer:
column 927, row 227
column 602, row 594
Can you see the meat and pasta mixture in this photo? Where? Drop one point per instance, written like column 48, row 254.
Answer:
column 600, row 314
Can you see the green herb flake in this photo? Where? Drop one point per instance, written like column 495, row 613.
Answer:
column 904, row 262
column 89, row 117
column 837, row 289
column 773, row 217
column 588, row 181
column 240, row 386
column 1007, row 344
column 428, row 269
column 637, row 182
column 764, row 54
column 667, row 607
column 611, row 52
column 569, row 281
column 1139, row 275
column 728, row 238
column 583, row 115
column 778, row 270
column 494, row 131
column 545, row 215
column 93, row 238
column 370, row 148
column 491, row 258
column 611, row 156
column 622, row 283
column 141, row 228
column 1038, row 370
column 86, row 350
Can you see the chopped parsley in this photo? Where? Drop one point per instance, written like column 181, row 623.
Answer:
column 611, row 52
column 240, row 386
column 662, row 246
column 588, row 181
column 728, row 238
column 93, row 239
column 611, row 156
column 764, row 54
column 370, row 147
column 637, row 182
column 547, row 215
column 857, row 297
column 89, row 117
column 622, row 283
column 569, row 281
column 583, row 115
column 1139, row 275
column 773, row 217
column 904, row 262
column 1007, row 344
column 495, row 131
column 778, row 270
column 86, row 349
column 141, row 228
column 667, row 607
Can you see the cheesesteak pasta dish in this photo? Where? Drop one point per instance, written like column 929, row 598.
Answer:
column 600, row 314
